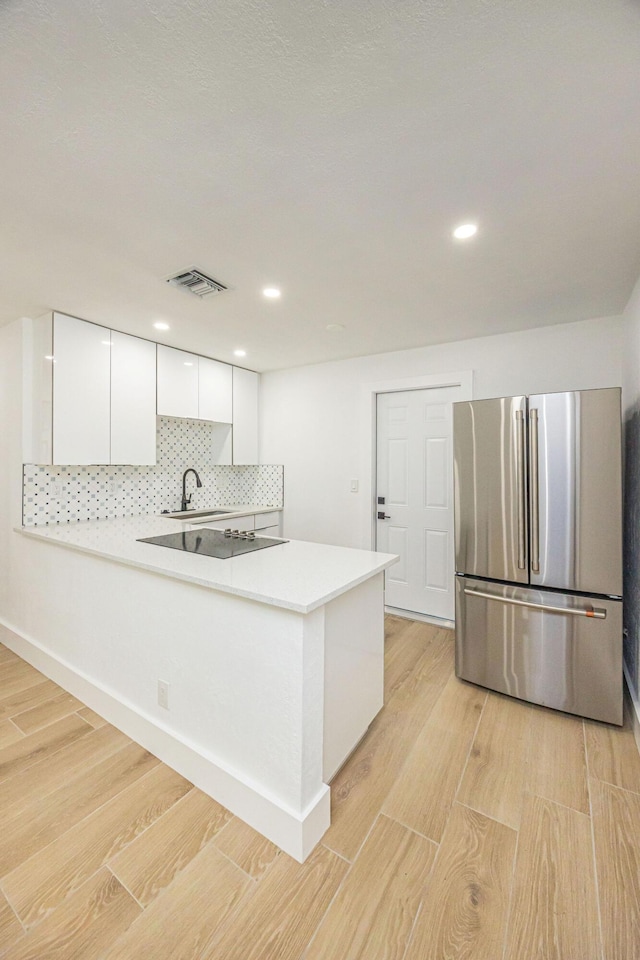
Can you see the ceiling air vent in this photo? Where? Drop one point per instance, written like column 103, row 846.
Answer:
column 197, row 282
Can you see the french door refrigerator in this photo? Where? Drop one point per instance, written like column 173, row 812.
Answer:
column 538, row 531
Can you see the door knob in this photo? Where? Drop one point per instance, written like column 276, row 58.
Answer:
column 383, row 516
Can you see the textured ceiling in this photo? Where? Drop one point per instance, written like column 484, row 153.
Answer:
column 328, row 147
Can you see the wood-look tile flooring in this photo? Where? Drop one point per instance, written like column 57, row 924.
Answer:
column 465, row 825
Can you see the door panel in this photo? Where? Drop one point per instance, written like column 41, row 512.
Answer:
column 437, row 472
column 579, row 491
column 81, row 392
column 215, row 390
column 489, row 462
column 397, row 543
column 133, row 399
column 177, row 383
column 436, row 556
column 416, row 479
column 246, row 385
column 569, row 662
column 398, row 473
column 435, row 411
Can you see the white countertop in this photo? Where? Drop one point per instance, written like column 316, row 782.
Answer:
column 296, row 575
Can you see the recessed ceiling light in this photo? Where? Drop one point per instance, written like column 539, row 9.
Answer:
column 271, row 293
column 465, row 230
column 335, row 326
column 188, row 363
column 49, row 357
column 239, row 353
column 161, row 326
column 107, row 343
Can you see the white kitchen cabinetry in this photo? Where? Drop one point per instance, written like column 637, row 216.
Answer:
column 268, row 524
column 37, row 389
column 214, row 390
column 81, row 392
column 193, row 387
column 177, row 383
column 245, row 416
column 133, row 399
column 89, row 394
column 91, row 397
column 237, row 523
column 281, row 672
column 199, row 388
column 264, row 524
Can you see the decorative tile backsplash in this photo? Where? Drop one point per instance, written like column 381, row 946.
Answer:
column 54, row 494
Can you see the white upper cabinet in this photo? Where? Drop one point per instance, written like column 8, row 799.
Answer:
column 133, row 399
column 177, row 383
column 37, row 389
column 214, row 390
column 90, row 394
column 81, row 392
column 245, row 416
column 193, row 387
column 106, row 387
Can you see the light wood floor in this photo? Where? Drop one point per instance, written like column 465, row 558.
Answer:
column 466, row 825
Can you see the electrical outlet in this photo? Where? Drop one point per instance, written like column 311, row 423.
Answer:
column 56, row 489
column 163, row 694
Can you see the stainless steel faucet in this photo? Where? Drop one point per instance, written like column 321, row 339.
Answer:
column 185, row 501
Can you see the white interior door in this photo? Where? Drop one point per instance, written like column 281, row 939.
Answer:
column 415, row 478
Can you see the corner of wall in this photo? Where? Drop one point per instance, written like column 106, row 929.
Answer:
column 11, row 392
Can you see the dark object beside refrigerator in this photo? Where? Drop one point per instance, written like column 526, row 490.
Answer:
column 538, row 515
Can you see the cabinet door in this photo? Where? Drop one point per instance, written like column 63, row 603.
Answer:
column 37, row 379
column 81, row 408
column 214, row 390
column 177, row 383
column 245, row 416
column 133, row 399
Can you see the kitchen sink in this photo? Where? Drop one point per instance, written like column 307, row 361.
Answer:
column 188, row 514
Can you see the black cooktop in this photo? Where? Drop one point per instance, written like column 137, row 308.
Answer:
column 212, row 543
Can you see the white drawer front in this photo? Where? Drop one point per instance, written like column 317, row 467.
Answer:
column 264, row 520
column 236, row 523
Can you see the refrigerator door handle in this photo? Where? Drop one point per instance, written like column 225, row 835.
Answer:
column 596, row 613
column 535, row 492
column 520, row 486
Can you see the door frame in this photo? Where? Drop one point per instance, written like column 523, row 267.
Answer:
column 369, row 431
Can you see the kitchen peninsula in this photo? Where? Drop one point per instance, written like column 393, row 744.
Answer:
column 272, row 661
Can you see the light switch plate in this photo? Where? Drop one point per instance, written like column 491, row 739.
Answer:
column 354, row 486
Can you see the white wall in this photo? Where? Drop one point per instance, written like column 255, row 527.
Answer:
column 10, row 458
column 313, row 419
column 631, row 417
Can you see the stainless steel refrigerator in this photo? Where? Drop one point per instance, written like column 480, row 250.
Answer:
column 538, row 529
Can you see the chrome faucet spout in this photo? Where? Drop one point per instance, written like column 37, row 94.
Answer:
column 187, row 500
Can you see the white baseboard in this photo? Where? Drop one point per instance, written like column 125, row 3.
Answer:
column 635, row 706
column 422, row 617
column 294, row 833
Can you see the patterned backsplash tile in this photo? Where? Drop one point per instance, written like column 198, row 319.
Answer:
column 56, row 494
